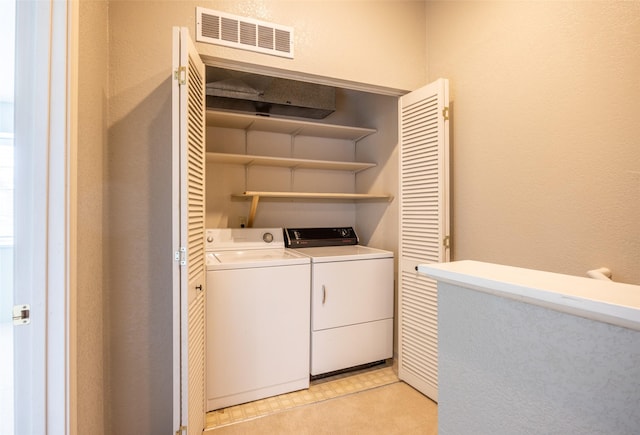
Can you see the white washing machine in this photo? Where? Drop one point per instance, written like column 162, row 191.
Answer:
column 257, row 333
column 351, row 298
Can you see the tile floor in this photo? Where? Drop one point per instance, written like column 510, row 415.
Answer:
column 394, row 409
column 319, row 390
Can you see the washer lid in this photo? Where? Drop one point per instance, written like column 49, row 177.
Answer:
column 240, row 239
column 254, row 258
column 325, row 254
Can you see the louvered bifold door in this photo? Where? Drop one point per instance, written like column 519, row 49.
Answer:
column 424, row 230
column 190, row 77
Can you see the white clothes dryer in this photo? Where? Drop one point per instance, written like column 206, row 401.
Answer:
column 351, row 298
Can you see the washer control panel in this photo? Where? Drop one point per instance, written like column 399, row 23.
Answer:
column 224, row 239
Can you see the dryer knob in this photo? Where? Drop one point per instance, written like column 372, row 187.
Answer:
column 209, row 239
column 267, row 237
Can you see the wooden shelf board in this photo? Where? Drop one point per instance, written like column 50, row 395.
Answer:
column 256, row 196
column 293, row 163
column 287, row 126
column 314, row 195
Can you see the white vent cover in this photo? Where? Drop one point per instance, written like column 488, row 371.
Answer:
column 215, row 27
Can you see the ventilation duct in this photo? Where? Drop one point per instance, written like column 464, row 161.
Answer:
column 220, row 28
column 259, row 94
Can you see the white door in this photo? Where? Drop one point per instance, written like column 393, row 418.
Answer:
column 188, row 105
column 424, row 229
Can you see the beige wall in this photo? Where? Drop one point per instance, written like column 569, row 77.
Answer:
column 137, row 292
column 546, row 138
column 91, row 240
column 373, row 42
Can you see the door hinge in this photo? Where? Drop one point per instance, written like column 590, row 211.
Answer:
column 181, row 430
column 21, row 314
column 445, row 113
column 446, row 242
column 181, row 256
column 181, row 75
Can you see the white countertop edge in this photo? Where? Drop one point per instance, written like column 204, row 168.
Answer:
column 605, row 301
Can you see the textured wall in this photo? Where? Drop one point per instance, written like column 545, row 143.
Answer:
column 91, row 241
column 507, row 367
column 373, row 42
column 139, row 286
column 545, row 140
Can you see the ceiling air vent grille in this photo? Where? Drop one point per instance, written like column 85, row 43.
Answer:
column 215, row 27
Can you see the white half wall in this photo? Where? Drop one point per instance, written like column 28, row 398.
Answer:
column 508, row 367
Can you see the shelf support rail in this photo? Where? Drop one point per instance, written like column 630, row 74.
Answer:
column 252, row 212
column 292, row 152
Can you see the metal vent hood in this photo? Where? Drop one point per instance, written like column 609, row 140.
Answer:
column 253, row 93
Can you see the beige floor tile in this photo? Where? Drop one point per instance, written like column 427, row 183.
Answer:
column 391, row 409
column 369, row 401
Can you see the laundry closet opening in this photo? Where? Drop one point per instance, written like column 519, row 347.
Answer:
column 294, row 153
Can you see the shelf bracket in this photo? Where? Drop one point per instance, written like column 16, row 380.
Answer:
column 252, row 211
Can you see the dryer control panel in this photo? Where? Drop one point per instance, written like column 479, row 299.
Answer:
column 314, row 237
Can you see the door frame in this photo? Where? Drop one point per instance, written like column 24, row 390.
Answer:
column 45, row 234
column 252, row 68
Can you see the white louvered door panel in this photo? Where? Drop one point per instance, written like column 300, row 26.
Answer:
column 424, row 225
column 190, row 80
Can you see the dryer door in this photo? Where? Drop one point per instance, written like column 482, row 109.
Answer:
column 351, row 292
